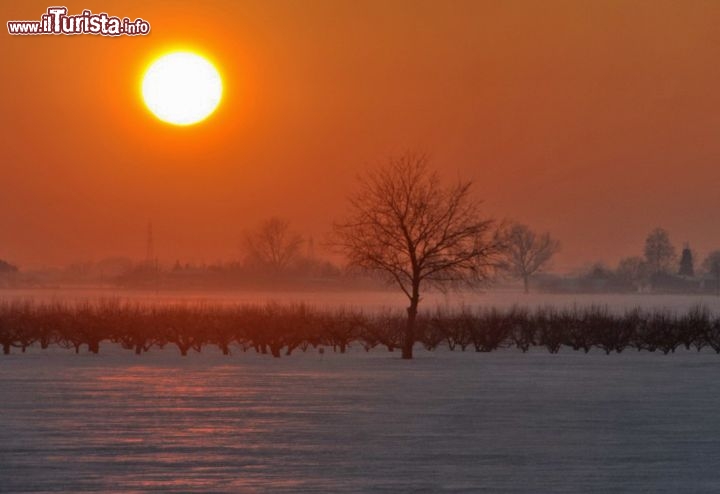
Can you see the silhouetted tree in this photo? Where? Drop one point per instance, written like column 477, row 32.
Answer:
column 404, row 224
column 528, row 252
column 687, row 267
column 659, row 252
column 633, row 271
column 273, row 245
column 711, row 265
column 7, row 268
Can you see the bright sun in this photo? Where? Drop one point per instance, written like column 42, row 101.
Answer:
column 182, row 88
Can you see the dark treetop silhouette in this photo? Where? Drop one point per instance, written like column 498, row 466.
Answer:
column 659, row 251
column 273, row 245
column 403, row 223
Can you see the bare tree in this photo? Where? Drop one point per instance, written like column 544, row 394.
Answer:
column 659, row 252
column 711, row 265
column 273, row 245
column 528, row 252
column 633, row 271
column 404, row 224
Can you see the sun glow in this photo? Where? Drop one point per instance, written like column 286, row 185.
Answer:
column 182, row 88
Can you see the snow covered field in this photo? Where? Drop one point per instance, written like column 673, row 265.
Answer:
column 503, row 422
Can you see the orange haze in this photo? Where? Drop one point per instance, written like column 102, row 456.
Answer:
column 595, row 120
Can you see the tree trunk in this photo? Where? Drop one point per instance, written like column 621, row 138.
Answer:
column 409, row 340
column 526, row 283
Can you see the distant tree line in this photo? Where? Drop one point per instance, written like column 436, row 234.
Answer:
column 658, row 269
column 283, row 329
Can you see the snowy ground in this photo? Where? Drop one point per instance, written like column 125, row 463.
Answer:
column 503, row 422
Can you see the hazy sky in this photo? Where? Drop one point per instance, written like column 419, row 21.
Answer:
column 595, row 120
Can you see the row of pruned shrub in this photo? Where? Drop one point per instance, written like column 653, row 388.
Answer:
column 281, row 329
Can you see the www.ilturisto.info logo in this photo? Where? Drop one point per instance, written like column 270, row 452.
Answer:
column 56, row 21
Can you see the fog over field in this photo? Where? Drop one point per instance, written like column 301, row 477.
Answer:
column 375, row 300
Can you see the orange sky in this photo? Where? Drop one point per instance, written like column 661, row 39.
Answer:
column 595, row 120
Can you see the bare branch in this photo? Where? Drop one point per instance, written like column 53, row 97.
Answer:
column 273, row 245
